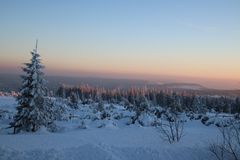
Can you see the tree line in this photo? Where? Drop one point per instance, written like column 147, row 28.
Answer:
column 136, row 97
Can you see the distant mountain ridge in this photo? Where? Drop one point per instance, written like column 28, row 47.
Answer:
column 11, row 82
column 187, row 86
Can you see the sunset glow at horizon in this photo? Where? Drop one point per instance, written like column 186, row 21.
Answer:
column 187, row 41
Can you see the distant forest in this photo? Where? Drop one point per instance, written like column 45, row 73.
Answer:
column 146, row 97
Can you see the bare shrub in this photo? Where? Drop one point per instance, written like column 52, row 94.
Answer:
column 229, row 147
column 172, row 128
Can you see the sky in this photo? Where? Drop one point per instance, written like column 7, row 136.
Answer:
column 194, row 41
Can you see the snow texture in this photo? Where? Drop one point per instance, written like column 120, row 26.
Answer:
column 92, row 138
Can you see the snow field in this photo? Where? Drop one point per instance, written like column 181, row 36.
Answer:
column 114, row 140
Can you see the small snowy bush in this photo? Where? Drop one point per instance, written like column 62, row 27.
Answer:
column 146, row 119
column 82, row 125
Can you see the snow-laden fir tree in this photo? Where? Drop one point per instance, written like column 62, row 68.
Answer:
column 33, row 110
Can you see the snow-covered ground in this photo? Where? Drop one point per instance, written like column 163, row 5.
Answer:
column 112, row 141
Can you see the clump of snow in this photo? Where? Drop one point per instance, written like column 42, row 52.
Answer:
column 218, row 119
column 147, row 119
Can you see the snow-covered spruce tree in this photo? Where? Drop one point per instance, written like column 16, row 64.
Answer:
column 33, row 110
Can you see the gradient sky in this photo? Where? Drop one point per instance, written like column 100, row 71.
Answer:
column 179, row 40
